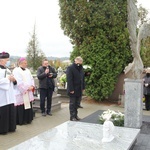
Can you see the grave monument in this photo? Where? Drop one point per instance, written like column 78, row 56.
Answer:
column 134, row 82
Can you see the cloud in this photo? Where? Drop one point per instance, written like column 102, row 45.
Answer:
column 17, row 21
column 144, row 3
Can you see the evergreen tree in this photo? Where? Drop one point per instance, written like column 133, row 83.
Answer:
column 98, row 31
column 34, row 54
column 142, row 13
column 145, row 44
column 145, row 52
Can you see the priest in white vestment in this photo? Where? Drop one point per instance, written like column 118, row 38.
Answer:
column 24, row 92
column 7, row 100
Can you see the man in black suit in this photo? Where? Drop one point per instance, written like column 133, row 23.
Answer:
column 75, row 86
column 46, row 75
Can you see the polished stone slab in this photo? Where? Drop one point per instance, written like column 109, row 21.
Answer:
column 79, row 136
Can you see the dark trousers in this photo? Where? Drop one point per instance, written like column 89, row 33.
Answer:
column 79, row 102
column 73, row 106
column 147, row 102
column 46, row 93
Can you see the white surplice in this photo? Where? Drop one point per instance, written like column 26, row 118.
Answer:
column 24, row 81
column 6, row 88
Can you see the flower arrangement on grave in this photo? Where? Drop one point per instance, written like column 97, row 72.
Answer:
column 143, row 99
column 63, row 80
column 87, row 69
column 116, row 117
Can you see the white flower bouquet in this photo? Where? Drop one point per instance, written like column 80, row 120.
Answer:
column 87, row 70
column 63, row 80
column 86, row 67
column 116, row 117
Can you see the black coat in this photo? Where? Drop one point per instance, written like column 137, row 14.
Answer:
column 44, row 81
column 75, row 80
column 147, row 88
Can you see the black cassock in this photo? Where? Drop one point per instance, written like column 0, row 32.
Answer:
column 7, row 118
column 24, row 116
column 7, row 113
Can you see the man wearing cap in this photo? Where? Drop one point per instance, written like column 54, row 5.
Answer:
column 23, row 92
column 75, row 86
column 147, row 89
column 7, row 100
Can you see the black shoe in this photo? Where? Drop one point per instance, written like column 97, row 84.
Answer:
column 78, row 118
column 43, row 114
column 49, row 114
column 73, row 119
column 24, row 123
column 3, row 133
column 80, row 106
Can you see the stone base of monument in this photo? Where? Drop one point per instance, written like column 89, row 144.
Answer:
column 56, row 104
column 80, row 136
column 133, row 103
column 62, row 92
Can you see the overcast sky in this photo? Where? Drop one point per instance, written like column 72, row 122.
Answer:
column 17, row 18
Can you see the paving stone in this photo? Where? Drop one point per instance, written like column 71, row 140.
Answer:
column 41, row 124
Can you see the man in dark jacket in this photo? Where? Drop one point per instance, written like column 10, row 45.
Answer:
column 147, row 89
column 75, row 86
column 46, row 75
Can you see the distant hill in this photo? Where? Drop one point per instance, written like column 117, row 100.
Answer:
column 58, row 58
column 15, row 58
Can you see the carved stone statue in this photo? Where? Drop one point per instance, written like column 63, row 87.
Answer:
column 108, row 129
column 134, row 70
column 60, row 72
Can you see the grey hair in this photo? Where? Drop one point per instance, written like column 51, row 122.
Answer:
column 148, row 70
column 79, row 58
